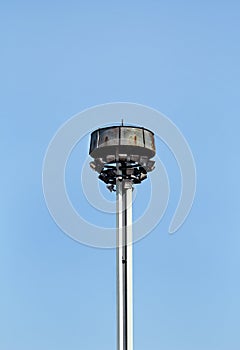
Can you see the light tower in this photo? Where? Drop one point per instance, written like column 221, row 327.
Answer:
column 123, row 157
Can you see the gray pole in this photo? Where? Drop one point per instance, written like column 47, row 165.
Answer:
column 124, row 265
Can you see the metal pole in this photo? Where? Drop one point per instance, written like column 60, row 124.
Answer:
column 124, row 265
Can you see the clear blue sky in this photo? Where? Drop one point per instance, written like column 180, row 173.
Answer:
column 180, row 57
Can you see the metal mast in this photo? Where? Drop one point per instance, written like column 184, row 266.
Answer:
column 124, row 265
column 122, row 157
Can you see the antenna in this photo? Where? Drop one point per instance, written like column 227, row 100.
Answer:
column 122, row 156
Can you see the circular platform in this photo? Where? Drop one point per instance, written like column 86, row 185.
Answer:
column 122, row 143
